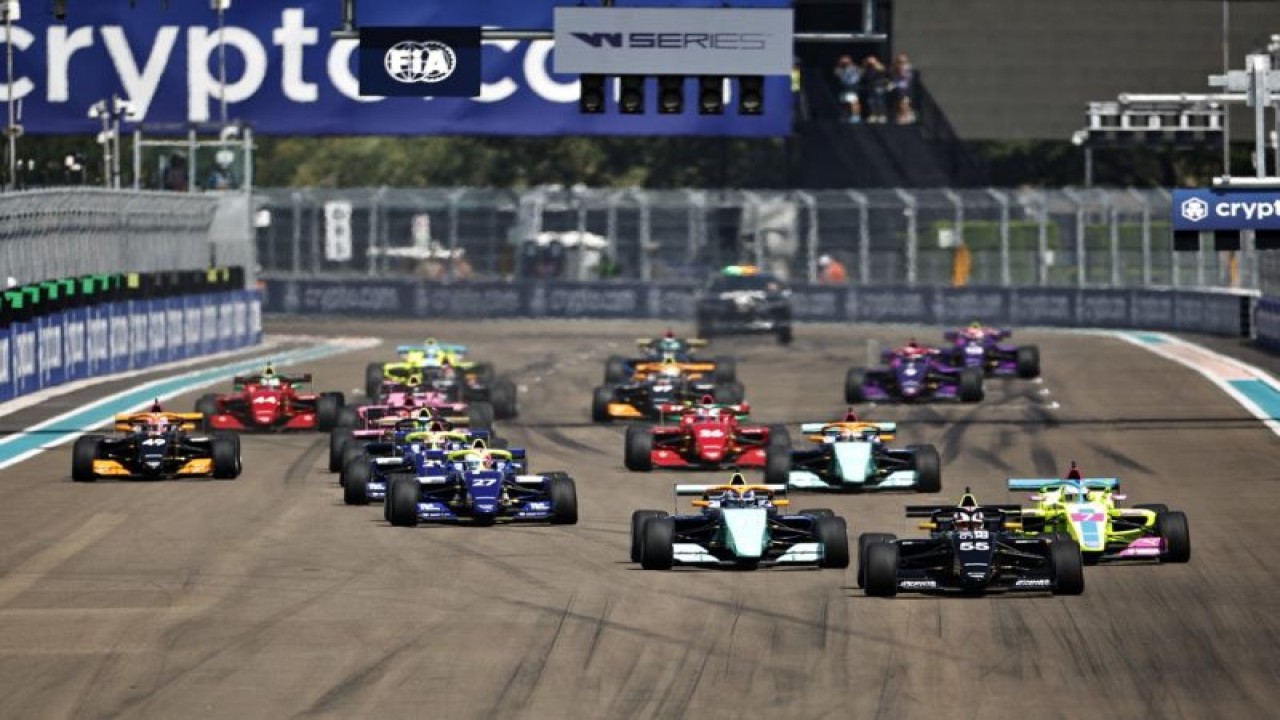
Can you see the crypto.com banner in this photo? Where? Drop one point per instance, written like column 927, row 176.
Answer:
column 286, row 76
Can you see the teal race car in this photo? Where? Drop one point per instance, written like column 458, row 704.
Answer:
column 853, row 455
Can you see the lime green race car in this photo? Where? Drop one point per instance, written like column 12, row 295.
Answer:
column 441, row 365
column 1085, row 510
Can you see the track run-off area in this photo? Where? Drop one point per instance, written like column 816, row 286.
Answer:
column 266, row 597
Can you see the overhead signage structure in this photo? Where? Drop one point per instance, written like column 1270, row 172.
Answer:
column 1225, row 212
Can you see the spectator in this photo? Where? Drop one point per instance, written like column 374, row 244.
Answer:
column 175, row 173
column 799, row 104
column 831, row 271
column 875, row 89
column 850, row 77
column 902, row 96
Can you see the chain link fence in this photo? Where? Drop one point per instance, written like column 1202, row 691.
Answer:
column 47, row 234
column 999, row 237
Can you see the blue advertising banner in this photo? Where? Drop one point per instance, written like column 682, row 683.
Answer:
column 26, row 368
column 1218, row 209
column 6, row 365
column 285, row 75
column 75, row 354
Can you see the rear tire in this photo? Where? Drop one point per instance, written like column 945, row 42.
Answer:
column 657, row 551
column 866, row 540
column 348, row 417
column 504, row 399
column 225, row 450
column 480, row 416
column 881, row 573
column 600, row 400
column 328, row 405
column 208, row 406
column 83, row 453
column 373, row 381
column 638, row 450
column 726, row 370
column 355, row 481
column 970, row 385
column 402, row 502
column 928, row 466
column 780, row 437
column 730, row 393
column 777, row 465
column 1068, row 567
column 1176, row 532
column 1028, row 361
column 853, row 382
column 564, row 500
column 338, row 439
column 616, row 370
column 350, row 452
column 784, row 335
column 833, row 533
column 638, row 520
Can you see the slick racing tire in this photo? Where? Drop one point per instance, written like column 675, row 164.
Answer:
column 480, row 416
column 615, row 370
column 1176, row 533
column 638, row 520
column 373, row 380
column 600, row 399
column 928, row 467
column 881, row 574
column 338, row 439
column 355, row 481
column 225, row 448
column 564, row 499
column 784, row 335
column 866, row 540
column 348, row 417
column 328, row 405
column 638, row 450
column 402, row 502
column 704, row 327
column 970, row 385
column 484, row 373
column 780, row 437
column 350, row 452
column 817, row 512
column 207, row 405
column 729, row 393
column 726, row 370
column 657, row 550
column 1068, row 567
column 1028, row 361
column 853, row 382
column 502, row 395
column 83, row 453
column 777, row 465
column 833, row 533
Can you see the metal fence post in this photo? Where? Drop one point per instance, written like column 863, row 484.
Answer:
column 811, row 234
column 375, row 207
column 646, row 232
column 455, row 198
column 1006, row 275
column 1042, row 240
column 296, row 244
column 913, row 238
column 1113, row 216
column 1082, row 266
column 1146, row 236
column 864, row 237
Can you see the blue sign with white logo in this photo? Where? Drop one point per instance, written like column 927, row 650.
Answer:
column 286, row 75
column 1220, row 209
column 420, row 62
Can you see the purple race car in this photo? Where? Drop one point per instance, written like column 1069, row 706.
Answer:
column 914, row 374
column 981, row 347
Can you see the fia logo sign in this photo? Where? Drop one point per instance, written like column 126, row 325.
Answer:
column 429, row 61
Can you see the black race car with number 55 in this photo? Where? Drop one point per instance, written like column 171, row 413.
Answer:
column 971, row 549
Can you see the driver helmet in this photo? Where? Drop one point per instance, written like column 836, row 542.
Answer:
column 739, row 498
column 477, row 461
column 425, row 416
column 968, row 519
column 975, row 330
column 159, row 425
column 669, row 367
column 269, row 377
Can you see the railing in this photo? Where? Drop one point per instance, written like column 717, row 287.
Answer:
column 1096, row 238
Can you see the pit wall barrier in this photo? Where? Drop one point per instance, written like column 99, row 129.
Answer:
column 1182, row 310
column 122, row 335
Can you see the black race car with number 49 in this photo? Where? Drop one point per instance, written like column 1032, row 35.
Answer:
column 971, row 549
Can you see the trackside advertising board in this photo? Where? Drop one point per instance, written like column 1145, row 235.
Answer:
column 1217, row 209
column 286, row 76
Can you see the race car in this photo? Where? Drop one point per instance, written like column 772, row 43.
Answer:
column 484, row 486
column 980, row 346
column 914, row 373
column 619, row 369
column 738, row 525
column 371, row 422
column 658, row 385
column 706, row 436
column 372, row 465
column 1085, row 510
column 480, row 382
column 156, row 445
column 269, row 401
column 741, row 299
column 971, row 549
column 852, row 455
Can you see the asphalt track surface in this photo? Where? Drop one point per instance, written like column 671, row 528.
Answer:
column 266, row 597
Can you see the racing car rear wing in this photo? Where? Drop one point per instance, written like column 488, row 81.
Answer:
column 124, row 422
column 682, row 489
column 454, row 349
column 813, row 428
column 1037, row 484
column 929, row 510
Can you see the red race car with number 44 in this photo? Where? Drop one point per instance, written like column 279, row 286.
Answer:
column 708, row 436
column 269, row 401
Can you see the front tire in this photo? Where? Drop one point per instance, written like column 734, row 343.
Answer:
column 638, row 449
column 402, row 499
column 853, row 382
column 207, row 405
column 225, row 449
column 784, row 335
column 564, row 500
column 480, row 416
column 355, row 481
column 730, row 393
column 638, row 520
column 373, row 381
column 881, row 574
column 616, row 370
column 1176, row 533
column 866, row 540
column 83, row 453
column 1068, row 567
column 779, row 437
column 726, row 370
column 928, row 467
column 1028, row 361
column 657, row 551
column 777, row 465
column 600, row 400
column 328, row 405
column 833, row 533
column 970, row 385
column 338, row 439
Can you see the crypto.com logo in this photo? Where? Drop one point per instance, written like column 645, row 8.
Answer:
column 420, row 62
column 1194, row 209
